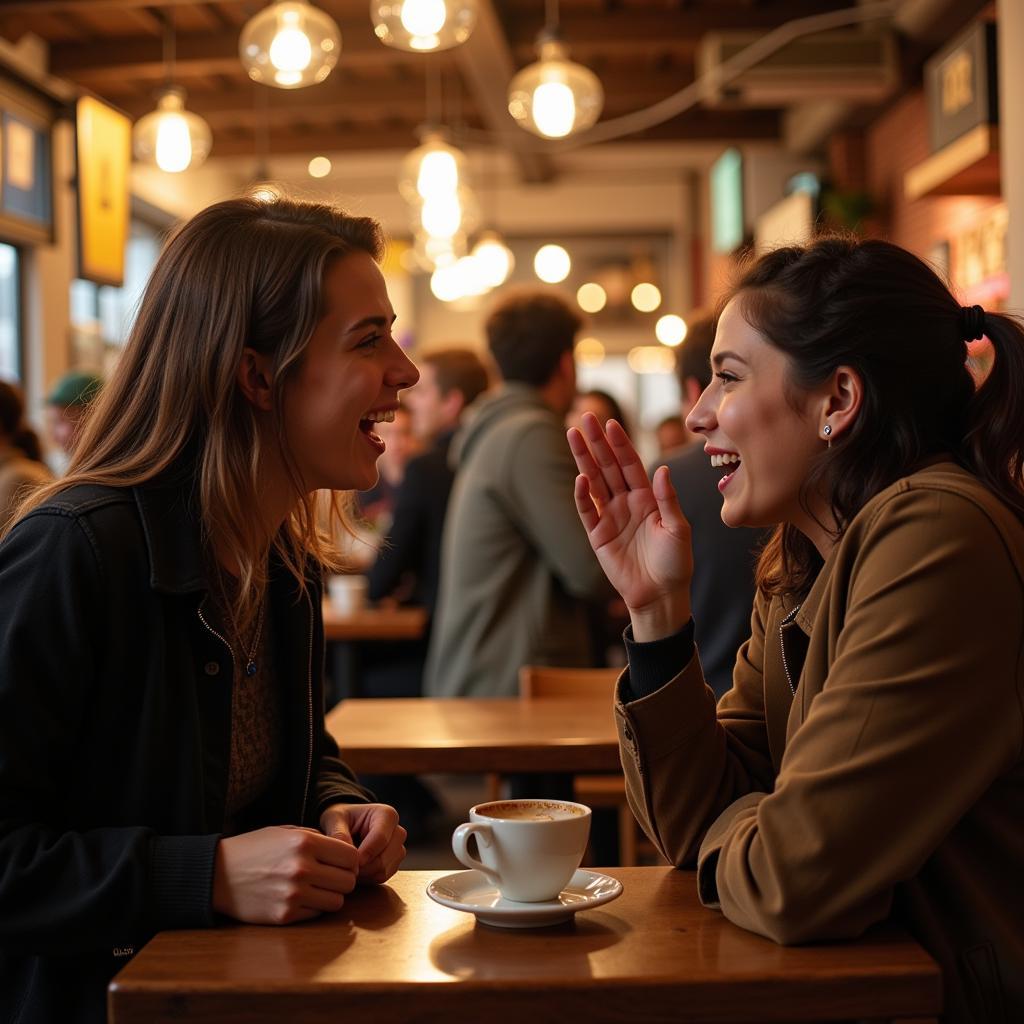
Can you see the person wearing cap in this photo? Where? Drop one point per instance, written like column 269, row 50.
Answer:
column 69, row 401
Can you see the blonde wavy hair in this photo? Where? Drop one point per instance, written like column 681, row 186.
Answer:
column 242, row 273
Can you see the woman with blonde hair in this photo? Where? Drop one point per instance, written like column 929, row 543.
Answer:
column 868, row 761
column 163, row 758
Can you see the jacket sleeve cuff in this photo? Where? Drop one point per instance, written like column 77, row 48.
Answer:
column 653, row 664
column 181, row 872
column 711, row 849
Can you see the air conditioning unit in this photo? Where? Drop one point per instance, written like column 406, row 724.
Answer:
column 847, row 64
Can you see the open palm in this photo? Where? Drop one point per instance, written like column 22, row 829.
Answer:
column 636, row 527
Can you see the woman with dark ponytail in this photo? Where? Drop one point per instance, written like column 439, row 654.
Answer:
column 22, row 469
column 869, row 760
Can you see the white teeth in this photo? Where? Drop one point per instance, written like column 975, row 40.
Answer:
column 387, row 416
column 724, row 460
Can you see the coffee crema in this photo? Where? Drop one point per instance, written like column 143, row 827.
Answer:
column 530, row 810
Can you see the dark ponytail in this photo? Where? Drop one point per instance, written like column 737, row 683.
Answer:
column 993, row 444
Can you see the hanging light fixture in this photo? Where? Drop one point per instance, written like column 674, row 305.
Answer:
column 423, row 25
column 171, row 137
column 290, row 44
column 434, row 169
column 554, row 97
column 493, row 258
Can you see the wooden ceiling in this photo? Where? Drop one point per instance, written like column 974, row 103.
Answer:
column 377, row 97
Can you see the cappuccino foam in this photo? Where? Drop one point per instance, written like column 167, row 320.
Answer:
column 530, row 810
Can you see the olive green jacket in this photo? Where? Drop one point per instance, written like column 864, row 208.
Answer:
column 516, row 566
column 868, row 761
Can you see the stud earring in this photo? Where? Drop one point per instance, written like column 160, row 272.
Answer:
column 827, row 431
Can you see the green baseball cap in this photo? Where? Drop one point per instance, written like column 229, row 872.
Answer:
column 75, row 388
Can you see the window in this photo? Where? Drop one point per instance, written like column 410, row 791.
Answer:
column 10, row 313
column 101, row 316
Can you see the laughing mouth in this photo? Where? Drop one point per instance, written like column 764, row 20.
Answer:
column 370, row 420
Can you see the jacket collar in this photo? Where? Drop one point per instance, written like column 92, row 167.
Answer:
column 169, row 511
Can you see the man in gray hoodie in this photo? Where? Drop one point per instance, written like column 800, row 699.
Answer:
column 516, row 566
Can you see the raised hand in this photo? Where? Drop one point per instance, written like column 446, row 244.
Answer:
column 635, row 526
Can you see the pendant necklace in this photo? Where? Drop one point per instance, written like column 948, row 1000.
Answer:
column 250, row 662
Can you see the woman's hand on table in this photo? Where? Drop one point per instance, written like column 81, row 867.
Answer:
column 282, row 874
column 635, row 526
column 381, row 845
column 285, row 873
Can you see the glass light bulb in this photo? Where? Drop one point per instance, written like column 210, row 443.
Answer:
column 670, row 330
column 552, row 264
column 446, row 283
column 591, row 297
column 173, row 145
column 554, row 109
column 423, row 17
column 645, row 297
column 289, row 44
column 290, row 50
column 494, row 260
column 438, row 176
column 441, row 215
column 421, row 25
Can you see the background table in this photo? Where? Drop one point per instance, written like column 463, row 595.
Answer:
column 473, row 734
column 346, row 634
column 374, row 624
column 392, row 955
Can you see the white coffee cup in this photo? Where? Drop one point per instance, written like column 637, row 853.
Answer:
column 347, row 593
column 529, row 849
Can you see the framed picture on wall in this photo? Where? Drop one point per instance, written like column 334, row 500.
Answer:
column 26, row 183
column 103, row 151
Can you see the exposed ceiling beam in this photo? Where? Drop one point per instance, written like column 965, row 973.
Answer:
column 201, row 53
column 487, row 66
column 693, row 126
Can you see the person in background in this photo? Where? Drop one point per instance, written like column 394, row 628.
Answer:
column 68, row 402
column 163, row 756
column 22, row 468
column 409, row 561
column 671, row 436
column 868, row 762
column 603, row 405
column 516, row 567
column 722, row 590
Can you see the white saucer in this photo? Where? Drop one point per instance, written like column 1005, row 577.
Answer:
column 472, row 892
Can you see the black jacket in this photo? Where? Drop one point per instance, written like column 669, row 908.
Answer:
column 413, row 544
column 115, row 717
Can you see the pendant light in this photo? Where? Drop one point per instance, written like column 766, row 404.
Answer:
column 290, row 44
column 554, row 97
column 423, row 25
column 433, row 169
column 171, row 137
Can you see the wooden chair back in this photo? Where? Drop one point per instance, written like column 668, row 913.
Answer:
column 545, row 681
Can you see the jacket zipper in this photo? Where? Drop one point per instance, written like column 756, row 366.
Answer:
column 782, row 646
column 210, row 629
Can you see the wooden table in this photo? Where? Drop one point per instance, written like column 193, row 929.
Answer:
column 392, row 955
column 374, row 624
column 475, row 734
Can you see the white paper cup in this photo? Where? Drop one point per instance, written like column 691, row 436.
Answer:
column 347, row 594
column 529, row 849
